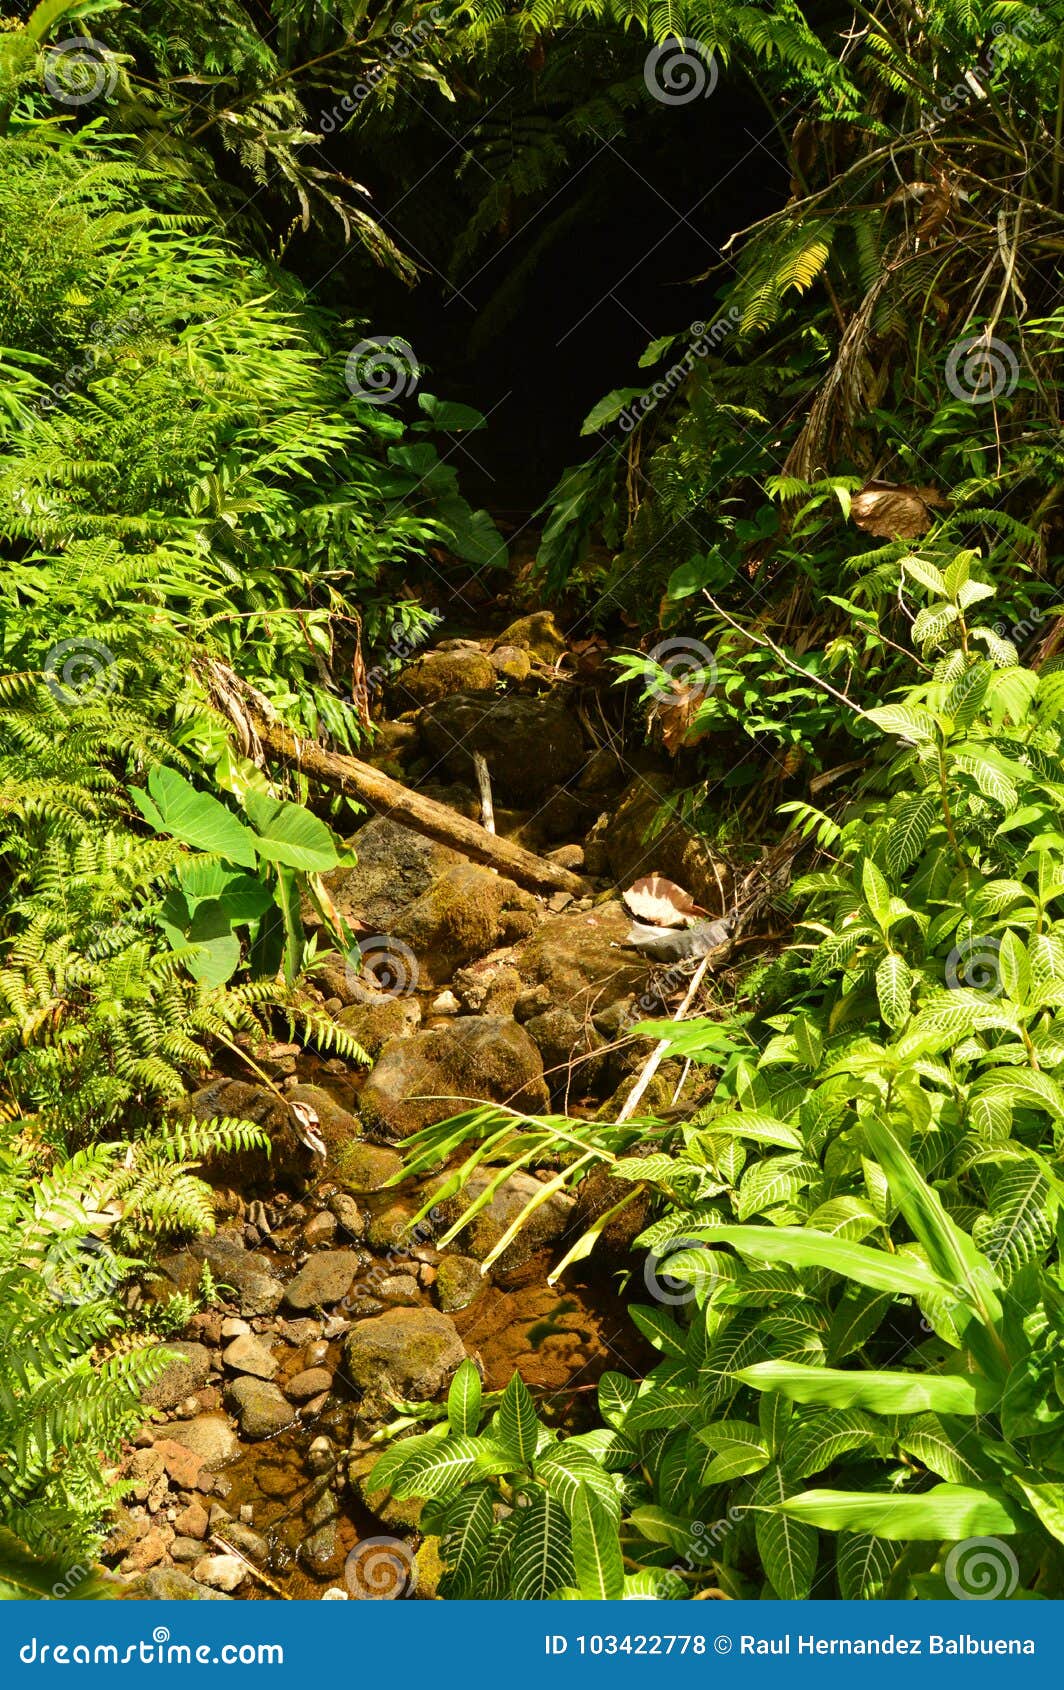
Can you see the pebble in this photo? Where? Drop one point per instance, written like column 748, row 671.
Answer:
column 312, row 1382
column 445, row 1004
column 234, row 1327
column 316, row 1354
column 321, row 1455
column 248, row 1354
column 220, row 1572
column 334, row 1594
column 320, row 1229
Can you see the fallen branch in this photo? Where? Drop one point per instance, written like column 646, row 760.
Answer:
column 264, row 737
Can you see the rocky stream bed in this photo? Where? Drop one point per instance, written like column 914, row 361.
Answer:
column 253, row 1476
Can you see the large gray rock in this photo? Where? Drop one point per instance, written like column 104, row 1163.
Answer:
column 408, row 1353
column 260, row 1408
column 189, row 1370
column 436, row 1073
column 529, row 743
column 167, row 1584
column 325, row 1278
column 248, row 1275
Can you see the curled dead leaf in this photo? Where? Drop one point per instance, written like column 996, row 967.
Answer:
column 655, row 899
column 305, row 1121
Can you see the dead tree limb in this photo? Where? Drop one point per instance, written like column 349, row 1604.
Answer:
column 266, row 738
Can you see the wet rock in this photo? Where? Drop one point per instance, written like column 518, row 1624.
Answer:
column 315, row 1354
column 511, row 663
column 423, row 1079
column 320, row 1229
column 408, row 1353
column 459, row 917
column 321, row 1456
column 395, row 866
column 183, row 1466
column 459, row 1282
column 254, row 1288
column 220, row 1572
column 530, row 743
column 634, row 847
column 483, row 1232
column 189, row 1370
column 368, row 1167
column 147, row 1478
column 445, row 1004
column 186, row 1550
column 310, row 1383
column 373, row 1024
column 167, row 1584
column 249, row 1542
column 575, row 960
column 192, row 1521
column 250, row 1355
column 326, row 1278
column 259, row 1407
column 209, row 1436
column 397, row 1288
column 537, row 633
column 437, row 674
column 349, row 1217
column 321, row 1552
column 234, row 1327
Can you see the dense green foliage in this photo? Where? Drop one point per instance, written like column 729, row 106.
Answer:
column 846, row 465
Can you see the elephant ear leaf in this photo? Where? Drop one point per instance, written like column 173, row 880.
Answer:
column 291, row 835
column 173, row 805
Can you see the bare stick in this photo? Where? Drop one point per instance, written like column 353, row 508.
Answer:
column 487, row 813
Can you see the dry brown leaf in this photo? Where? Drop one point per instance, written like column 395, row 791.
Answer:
column 655, row 899
column 675, row 715
column 894, row 512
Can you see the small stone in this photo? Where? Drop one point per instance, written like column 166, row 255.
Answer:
column 209, row 1436
column 316, row 1354
column 559, row 901
column 315, row 1406
column 234, row 1327
column 567, row 856
column 326, row 1278
column 310, row 1383
column 367, row 1167
column 398, row 1288
column 248, row 1354
column 248, row 1542
column 246, row 1513
column 300, row 1332
column 458, row 1282
column 147, row 1478
column 188, row 1409
column 321, row 1455
column 183, row 1465
column 406, row 1353
column 320, row 1229
column 190, row 1368
column 169, row 1584
column 349, row 1216
column 149, row 1551
column 335, row 1326
column 335, row 1594
column 259, row 1407
column 220, row 1572
column 320, row 1553
column 445, row 1003
column 192, row 1521
column 186, row 1549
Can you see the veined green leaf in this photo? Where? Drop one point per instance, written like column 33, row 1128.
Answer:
column 949, row 1512
column 880, row 1393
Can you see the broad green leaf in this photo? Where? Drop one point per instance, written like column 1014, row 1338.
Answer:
column 937, row 1442
column 910, row 829
column 800, row 1247
column 463, row 1400
column 289, row 834
column 463, row 1535
column 437, row 1470
column 817, row 1440
column 881, row 1393
column 541, row 1557
column 788, row 1547
column 894, row 984
column 596, row 1548
column 519, row 1425
column 863, row 1567
column 196, row 818
column 949, row 1512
